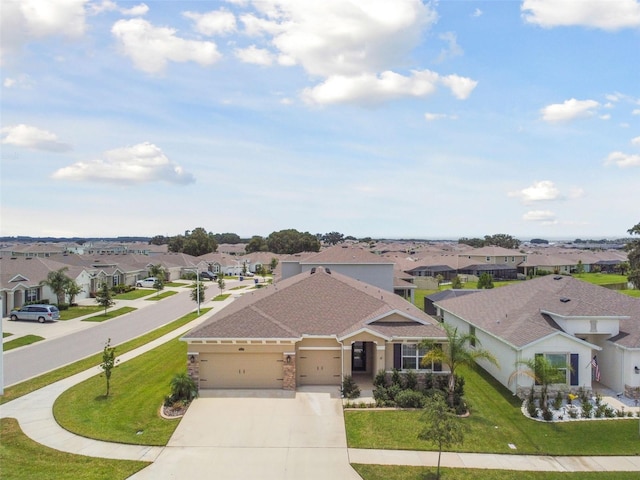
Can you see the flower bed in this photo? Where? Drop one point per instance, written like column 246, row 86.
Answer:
column 573, row 408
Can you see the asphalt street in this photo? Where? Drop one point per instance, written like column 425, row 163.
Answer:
column 24, row 363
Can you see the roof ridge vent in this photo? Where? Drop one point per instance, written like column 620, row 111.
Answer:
column 557, row 277
column 565, row 299
column 313, row 270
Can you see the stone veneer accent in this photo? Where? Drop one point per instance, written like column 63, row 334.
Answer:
column 289, row 371
column 193, row 368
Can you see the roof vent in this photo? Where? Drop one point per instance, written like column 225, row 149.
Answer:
column 565, row 299
column 313, row 270
column 328, row 270
column 557, row 277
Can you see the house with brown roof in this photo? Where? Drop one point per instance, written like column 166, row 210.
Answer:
column 562, row 318
column 310, row 329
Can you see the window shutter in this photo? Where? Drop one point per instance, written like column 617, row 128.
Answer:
column 437, row 366
column 537, row 357
column 574, row 369
column 397, row 356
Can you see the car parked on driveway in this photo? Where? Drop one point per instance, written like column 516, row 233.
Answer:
column 148, row 282
column 41, row 313
column 208, row 276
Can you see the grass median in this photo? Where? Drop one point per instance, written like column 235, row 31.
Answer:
column 23, row 388
column 109, row 315
column 495, row 422
column 21, row 342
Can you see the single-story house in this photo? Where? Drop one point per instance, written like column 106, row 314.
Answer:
column 311, row 329
column 569, row 321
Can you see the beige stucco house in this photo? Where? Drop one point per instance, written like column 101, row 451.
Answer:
column 312, row 328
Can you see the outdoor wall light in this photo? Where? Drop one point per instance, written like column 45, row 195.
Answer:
column 636, row 369
column 192, row 359
column 289, row 359
column 241, row 349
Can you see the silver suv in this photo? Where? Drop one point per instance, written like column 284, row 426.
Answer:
column 41, row 313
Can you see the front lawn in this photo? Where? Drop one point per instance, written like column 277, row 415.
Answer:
column 134, row 294
column 162, row 295
column 110, row 314
column 21, row 342
column 130, row 414
column 495, row 422
column 601, row 278
column 79, row 311
column 396, row 472
column 21, row 458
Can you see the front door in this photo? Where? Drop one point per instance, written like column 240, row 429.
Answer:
column 358, row 357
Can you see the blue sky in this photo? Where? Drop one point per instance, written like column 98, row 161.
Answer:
column 371, row 118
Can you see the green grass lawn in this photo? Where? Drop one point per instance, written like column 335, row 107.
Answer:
column 135, row 294
column 28, row 386
column 22, row 458
column 6, row 334
column 394, row 472
column 220, row 298
column 130, row 414
column 601, row 278
column 79, row 311
column 175, row 284
column 110, row 314
column 21, row 342
column 495, row 421
column 162, row 295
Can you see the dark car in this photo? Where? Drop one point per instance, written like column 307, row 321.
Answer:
column 41, row 313
column 208, row 276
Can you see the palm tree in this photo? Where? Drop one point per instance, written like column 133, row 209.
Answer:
column 457, row 352
column 57, row 281
column 72, row 289
column 543, row 372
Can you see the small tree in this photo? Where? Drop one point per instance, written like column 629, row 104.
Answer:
column 197, row 293
column 221, row 284
column 109, row 362
column 456, row 283
column 72, row 289
column 273, row 264
column 442, row 427
column 485, row 281
column 104, row 298
column 543, row 372
column 579, row 268
column 183, row 388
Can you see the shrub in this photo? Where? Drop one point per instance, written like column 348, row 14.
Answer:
column 410, row 399
column 573, row 413
column 63, row 306
column 557, row 402
column 587, row 408
column 393, row 392
column 183, row 388
column 411, row 380
column 547, row 415
column 396, row 379
column 532, row 410
column 349, row 388
column 380, row 380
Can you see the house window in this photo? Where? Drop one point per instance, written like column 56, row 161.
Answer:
column 488, row 259
column 472, row 333
column 560, row 361
column 513, row 259
column 32, row 295
column 116, row 279
column 411, row 356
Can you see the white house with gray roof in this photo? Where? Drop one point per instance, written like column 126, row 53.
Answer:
column 565, row 319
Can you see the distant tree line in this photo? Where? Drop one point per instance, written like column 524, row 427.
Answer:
column 497, row 240
column 633, row 254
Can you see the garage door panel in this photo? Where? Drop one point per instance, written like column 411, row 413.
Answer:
column 232, row 370
column 319, row 367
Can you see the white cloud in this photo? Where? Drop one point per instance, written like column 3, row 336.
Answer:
column 538, row 191
column 635, row 141
column 430, row 117
column 546, row 217
column 111, row 6
column 24, row 20
column 135, row 11
column 369, row 89
column 569, row 110
column 142, row 163
column 461, row 87
column 623, row 160
column 452, row 49
column 342, row 37
column 34, row 138
column 477, row 12
column 255, row 55
column 219, row 22
column 636, row 111
column 150, row 47
column 606, row 15
column 21, row 81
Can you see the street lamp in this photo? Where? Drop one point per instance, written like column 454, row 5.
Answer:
column 197, row 286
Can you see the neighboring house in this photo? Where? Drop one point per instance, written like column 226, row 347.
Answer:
column 310, row 329
column 565, row 319
column 495, row 255
column 44, row 250
column 352, row 261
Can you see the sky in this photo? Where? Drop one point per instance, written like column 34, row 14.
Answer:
column 395, row 119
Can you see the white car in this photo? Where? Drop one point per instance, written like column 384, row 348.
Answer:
column 148, row 282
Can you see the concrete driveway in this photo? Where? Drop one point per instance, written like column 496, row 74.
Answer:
column 270, row 434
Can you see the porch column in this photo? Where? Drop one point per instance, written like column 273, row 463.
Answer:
column 379, row 362
column 289, row 371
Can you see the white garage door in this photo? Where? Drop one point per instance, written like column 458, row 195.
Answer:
column 319, row 367
column 241, row 370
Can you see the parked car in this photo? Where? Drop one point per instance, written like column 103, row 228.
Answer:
column 148, row 282
column 208, row 276
column 41, row 313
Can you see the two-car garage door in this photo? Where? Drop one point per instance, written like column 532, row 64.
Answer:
column 241, row 370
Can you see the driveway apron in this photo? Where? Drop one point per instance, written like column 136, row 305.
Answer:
column 270, row 434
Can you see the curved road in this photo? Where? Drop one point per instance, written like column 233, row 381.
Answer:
column 24, row 363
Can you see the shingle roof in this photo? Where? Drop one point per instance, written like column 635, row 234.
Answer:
column 344, row 254
column 516, row 312
column 318, row 303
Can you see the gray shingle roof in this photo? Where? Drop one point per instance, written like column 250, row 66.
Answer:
column 516, row 312
column 320, row 303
